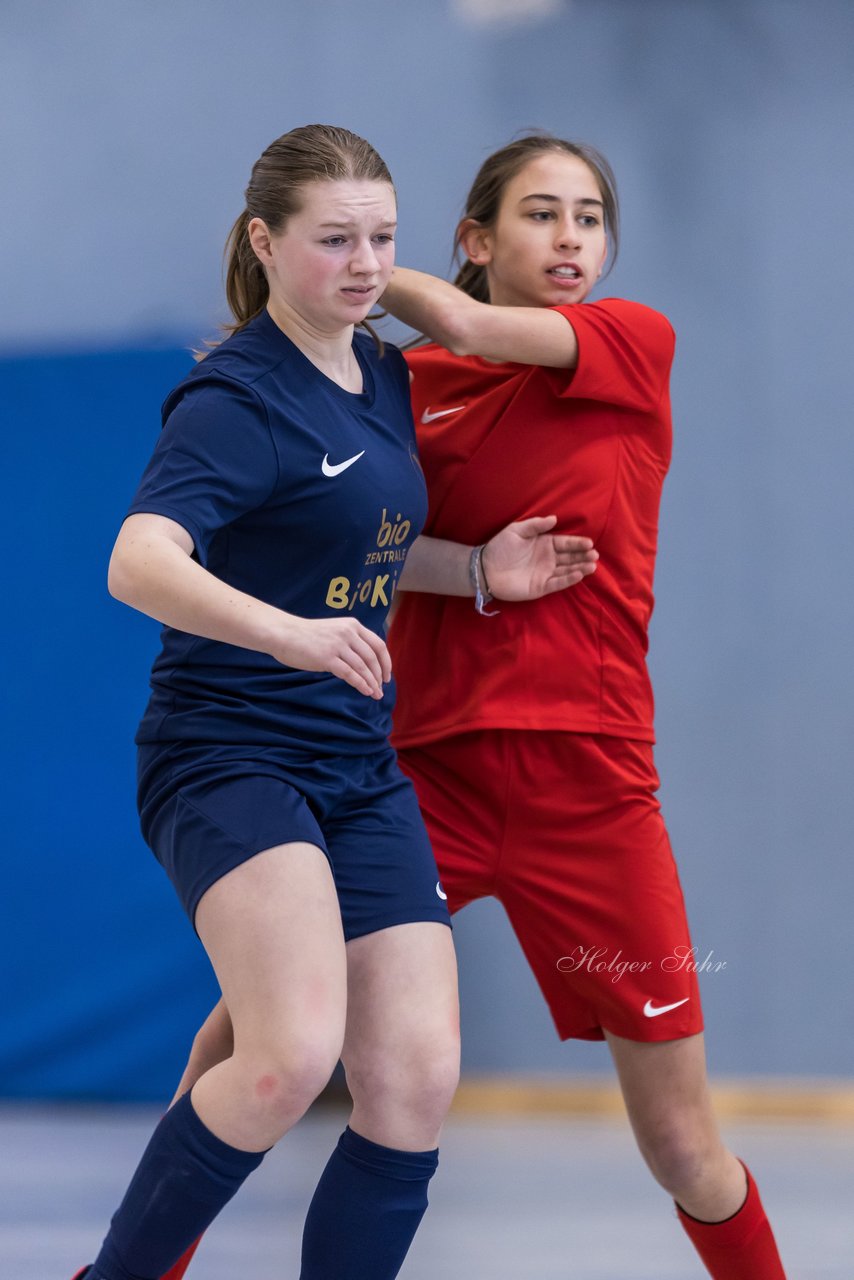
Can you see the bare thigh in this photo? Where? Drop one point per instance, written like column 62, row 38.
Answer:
column 272, row 930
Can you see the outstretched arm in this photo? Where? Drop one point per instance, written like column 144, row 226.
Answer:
column 443, row 313
column 522, row 562
column 151, row 569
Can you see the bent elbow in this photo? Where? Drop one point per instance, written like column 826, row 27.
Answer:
column 461, row 340
column 120, row 577
column 456, row 323
column 459, row 347
column 114, row 578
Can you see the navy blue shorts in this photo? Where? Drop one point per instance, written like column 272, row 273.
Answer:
column 205, row 809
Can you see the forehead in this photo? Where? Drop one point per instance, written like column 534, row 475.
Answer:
column 343, row 200
column 555, row 173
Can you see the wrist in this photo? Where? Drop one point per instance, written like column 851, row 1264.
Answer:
column 477, row 578
column 279, row 633
column 483, row 577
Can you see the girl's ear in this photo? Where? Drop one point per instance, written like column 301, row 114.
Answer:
column 475, row 241
column 259, row 238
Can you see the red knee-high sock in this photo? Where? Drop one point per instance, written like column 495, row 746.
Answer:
column 176, row 1272
column 739, row 1248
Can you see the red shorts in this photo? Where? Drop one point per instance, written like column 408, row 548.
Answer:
column 565, row 830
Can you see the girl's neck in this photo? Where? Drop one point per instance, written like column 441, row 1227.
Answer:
column 330, row 352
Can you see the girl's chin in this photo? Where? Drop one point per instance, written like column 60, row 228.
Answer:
column 550, row 296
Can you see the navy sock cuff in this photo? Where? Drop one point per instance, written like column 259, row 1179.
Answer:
column 186, row 1175
column 403, row 1166
column 213, row 1153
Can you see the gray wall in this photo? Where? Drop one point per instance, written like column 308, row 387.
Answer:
column 128, row 131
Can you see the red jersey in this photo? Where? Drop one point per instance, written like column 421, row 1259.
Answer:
column 499, row 442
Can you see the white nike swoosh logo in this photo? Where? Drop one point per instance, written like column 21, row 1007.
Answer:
column 650, row 1010
column 441, row 891
column 427, row 416
column 329, row 469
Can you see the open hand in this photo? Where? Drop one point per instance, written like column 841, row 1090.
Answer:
column 525, row 561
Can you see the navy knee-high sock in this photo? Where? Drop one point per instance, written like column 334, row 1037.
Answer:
column 186, row 1175
column 365, row 1211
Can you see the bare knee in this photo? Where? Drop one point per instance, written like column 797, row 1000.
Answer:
column 682, row 1156
column 431, row 1083
column 283, row 1080
column 411, row 1087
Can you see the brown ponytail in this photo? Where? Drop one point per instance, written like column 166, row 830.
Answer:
column 472, row 279
column 246, row 288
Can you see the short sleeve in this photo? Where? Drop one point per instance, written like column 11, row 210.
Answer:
column 625, row 352
column 214, row 462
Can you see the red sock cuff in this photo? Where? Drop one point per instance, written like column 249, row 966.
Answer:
column 733, row 1232
column 744, row 1241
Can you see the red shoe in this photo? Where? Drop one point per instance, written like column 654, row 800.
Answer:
column 176, row 1272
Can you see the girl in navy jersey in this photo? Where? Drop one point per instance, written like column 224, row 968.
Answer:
column 531, row 752
column 278, row 517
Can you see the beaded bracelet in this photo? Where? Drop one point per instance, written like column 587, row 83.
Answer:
column 477, row 577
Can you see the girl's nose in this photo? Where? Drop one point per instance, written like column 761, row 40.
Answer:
column 567, row 236
column 364, row 258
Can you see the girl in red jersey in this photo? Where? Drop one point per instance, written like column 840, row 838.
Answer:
column 530, row 745
column 531, row 752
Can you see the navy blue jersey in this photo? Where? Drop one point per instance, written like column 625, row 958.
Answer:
column 301, row 494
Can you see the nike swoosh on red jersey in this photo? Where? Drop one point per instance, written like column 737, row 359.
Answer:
column 650, row 1010
column 427, row 416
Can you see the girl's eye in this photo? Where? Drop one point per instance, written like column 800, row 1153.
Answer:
column 588, row 220
column 334, row 241
column 542, row 215
column 385, row 238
